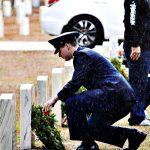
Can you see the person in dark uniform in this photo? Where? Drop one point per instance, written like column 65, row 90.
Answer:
column 108, row 98
column 137, row 52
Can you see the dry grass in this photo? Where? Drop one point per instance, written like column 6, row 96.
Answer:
column 24, row 67
column 19, row 67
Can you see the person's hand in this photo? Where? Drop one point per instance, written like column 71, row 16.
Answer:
column 50, row 103
column 135, row 53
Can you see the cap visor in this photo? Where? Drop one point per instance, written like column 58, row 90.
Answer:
column 56, row 51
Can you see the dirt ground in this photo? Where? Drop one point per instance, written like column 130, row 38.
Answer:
column 20, row 67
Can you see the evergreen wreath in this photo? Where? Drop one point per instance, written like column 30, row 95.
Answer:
column 44, row 126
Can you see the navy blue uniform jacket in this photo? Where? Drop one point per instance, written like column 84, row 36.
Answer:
column 93, row 71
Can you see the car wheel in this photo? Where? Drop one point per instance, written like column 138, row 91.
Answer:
column 90, row 28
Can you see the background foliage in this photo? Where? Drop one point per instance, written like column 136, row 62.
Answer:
column 118, row 64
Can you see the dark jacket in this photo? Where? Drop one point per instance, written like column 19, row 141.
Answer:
column 93, row 71
column 137, row 23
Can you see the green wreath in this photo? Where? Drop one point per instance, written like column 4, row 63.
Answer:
column 44, row 127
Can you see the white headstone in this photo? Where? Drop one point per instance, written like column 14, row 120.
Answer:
column 16, row 2
column 26, row 100
column 14, row 132
column 41, row 10
column 46, row 2
column 1, row 16
column 7, row 10
column 35, row 3
column 28, row 5
column 99, row 49
column 57, row 84
column 0, row 4
column 6, row 122
column 42, row 89
column 68, row 70
column 1, row 24
column 114, row 46
column 24, row 26
column 107, row 49
column 20, row 11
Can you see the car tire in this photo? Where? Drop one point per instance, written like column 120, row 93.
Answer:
column 90, row 28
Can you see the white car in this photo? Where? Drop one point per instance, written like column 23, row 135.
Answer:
column 96, row 20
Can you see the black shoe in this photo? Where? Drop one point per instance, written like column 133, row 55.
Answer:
column 83, row 146
column 135, row 139
column 145, row 122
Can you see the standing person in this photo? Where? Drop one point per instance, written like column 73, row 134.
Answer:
column 108, row 98
column 137, row 52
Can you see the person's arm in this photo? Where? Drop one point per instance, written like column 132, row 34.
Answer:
column 135, row 22
column 82, row 67
column 136, row 36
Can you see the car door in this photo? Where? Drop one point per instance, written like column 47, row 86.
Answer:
column 111, row 13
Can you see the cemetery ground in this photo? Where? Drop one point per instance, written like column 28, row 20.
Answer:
column 19, row 67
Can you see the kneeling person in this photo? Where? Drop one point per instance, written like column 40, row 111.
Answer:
column 108, row 98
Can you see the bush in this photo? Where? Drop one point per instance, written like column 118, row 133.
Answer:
column 44, row 127
column 117, row 63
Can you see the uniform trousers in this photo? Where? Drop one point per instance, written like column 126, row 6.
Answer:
column 91, row 114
